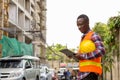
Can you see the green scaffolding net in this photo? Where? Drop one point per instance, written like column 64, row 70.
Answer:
column 12, row 47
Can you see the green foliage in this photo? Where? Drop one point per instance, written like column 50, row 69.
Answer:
column 109, row 35
column 53, row 52
column 103, row 30
column 114, row 23
column 111, row 42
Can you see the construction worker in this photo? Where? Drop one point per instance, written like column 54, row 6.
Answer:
column 90, row 58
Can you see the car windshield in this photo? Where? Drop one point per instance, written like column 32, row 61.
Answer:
column 11, row 64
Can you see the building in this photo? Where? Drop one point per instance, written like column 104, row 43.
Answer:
column 25, row 20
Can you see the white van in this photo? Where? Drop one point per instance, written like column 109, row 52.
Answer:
column 19, row 68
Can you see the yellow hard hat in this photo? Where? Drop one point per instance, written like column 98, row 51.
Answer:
column 87, row 46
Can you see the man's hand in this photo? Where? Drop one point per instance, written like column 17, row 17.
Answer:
column 78, row 56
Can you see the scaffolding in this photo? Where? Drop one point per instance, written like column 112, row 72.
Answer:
column 4, row 4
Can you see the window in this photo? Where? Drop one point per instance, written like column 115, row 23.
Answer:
column 27, row 65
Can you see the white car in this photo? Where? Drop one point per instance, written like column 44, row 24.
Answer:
column 45, row 73
column 19, row 68
column 61, row 73
column 52, row 72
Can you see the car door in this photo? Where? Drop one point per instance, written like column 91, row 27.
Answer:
column 28, row 71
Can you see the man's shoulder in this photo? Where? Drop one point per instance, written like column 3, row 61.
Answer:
column 96, row 36
column 95, row 33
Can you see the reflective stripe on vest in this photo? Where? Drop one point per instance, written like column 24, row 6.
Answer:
column 90, row 63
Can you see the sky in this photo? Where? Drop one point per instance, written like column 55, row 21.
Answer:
column 62, row 15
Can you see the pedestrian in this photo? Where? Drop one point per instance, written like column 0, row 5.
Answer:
column 68, row 74
column 55, row 76
column 89, row 62
column 56, row 70
column 73, row 75
column 65, row 74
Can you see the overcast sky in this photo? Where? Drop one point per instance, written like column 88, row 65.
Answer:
column 62, row 14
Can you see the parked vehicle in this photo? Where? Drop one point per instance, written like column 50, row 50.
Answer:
column 45, row 73
column 19, row 68
column 61, row 73
column 52, row 72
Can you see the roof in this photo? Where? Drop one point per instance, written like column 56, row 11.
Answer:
column 21, row 57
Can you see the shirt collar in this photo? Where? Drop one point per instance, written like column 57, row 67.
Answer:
column 86, row 33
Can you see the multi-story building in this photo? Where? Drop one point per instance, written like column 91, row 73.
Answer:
column 25, row 20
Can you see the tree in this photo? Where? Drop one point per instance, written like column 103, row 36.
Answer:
column 53, row 52
column 101, row 29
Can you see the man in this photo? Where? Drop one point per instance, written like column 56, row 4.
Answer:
column 90, row 63
column 68, row 74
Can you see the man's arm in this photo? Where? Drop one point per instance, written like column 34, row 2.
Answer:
column 100, row 50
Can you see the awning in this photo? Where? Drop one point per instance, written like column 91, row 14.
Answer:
column 63, row 65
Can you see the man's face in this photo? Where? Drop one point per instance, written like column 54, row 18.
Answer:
column 82, row 25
